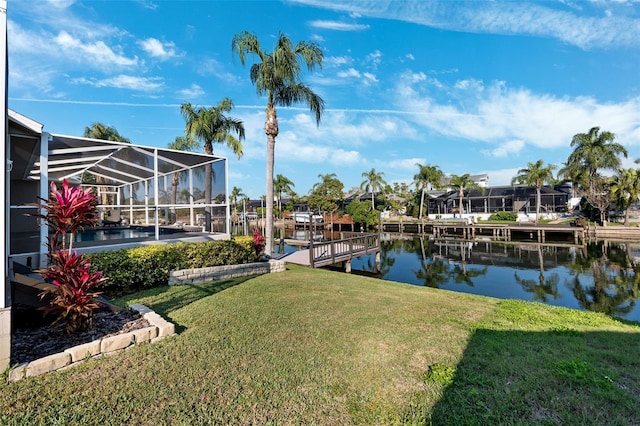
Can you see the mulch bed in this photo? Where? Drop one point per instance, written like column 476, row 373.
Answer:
column 33, row 341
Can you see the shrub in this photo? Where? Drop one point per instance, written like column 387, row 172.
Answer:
column 73, row 299
column 259, row 242
column 506, row 216
column 139, row 268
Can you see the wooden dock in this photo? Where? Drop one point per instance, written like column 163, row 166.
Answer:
column 498, row 232
column 319, row 254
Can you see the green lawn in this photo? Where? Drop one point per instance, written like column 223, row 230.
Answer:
column 319, row 347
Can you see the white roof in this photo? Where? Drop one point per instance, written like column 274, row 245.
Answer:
column 117, row 163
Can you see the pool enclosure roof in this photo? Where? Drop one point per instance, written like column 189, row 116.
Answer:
column 117, row 163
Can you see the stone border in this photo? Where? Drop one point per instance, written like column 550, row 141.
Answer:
column 159, row 329
column 213, row 273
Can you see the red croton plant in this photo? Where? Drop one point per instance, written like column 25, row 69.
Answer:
column 258, row 242
column 68, row 211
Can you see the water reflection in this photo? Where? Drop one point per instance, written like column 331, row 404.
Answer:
column 600, row 276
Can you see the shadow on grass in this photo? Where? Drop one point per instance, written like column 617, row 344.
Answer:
column 164, row 300
column 556, row 377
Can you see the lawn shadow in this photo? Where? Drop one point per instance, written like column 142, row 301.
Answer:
column 164, row 300
column 555, row 377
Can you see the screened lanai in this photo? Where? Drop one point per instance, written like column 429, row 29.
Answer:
column 144, row 193
column 500, row 198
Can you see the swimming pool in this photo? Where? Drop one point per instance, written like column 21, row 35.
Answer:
column 105, row 234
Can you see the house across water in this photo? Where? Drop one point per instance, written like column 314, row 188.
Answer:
column 486, row 201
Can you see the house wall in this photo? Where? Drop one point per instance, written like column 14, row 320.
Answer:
column 24, row 233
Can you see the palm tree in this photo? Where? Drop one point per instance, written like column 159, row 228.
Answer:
column 595, row 150
column 373, row 181
column 625, row 188
column 236, row 193
column 535, row 174
column 282, row 184
column 277, row 75
column 427, row 176
column 211, row 125
column 181, row 143
column 103, row 132
column 460, row 183
column 592, row 152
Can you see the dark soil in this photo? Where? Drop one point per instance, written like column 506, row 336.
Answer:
column 31, row 341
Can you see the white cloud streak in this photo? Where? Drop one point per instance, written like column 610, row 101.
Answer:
column 595, row 26
column 337, row 26
column 141, row 84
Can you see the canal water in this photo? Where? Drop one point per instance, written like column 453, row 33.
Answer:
column 599, row 276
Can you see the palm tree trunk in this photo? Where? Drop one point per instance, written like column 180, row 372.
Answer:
column 208, row 171
column 538, row 199
column 373, row 201
column 421, row 203
column 271, row 129
column 626, row 216
column 461, row 195
column 174, row 195
column 269, row 201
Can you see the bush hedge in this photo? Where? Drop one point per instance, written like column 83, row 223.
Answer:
column 139, row 268
column 506, row 216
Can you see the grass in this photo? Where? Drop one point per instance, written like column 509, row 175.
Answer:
column 319, row 347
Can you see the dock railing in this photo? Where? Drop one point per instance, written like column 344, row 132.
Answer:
column 331, row 252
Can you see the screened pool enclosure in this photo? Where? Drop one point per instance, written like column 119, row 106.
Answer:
column 148, row 189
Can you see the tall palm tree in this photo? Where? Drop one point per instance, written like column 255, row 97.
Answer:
column 211, row 125
column 278, row 76
column 625, row 188
column 235, row 194
column 373, row 181
column 282, row 184
column 427, row 176
column 592, row 152
column 535, row 174
column 181, row 143
column 460, row 183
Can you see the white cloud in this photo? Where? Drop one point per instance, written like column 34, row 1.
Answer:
column 345, row 158
column 410, row 56
column 501, row 176
column 212, row 67
column 336, row 61
column 405, row 163
column 498, row 114
column 65, row 48
column 143, row 84
column 351, row 72
column 374, row 58
column 365, row 78
column 506, row 149
column 369, row 78
column 583, row 27
column 158, row 49
column 97, row 53
column 193, row 91
column 337, row 26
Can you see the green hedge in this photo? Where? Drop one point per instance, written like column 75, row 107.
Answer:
column 135, row 269
column 507, row 216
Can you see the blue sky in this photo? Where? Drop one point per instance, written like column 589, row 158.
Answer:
column 473, row 87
